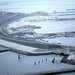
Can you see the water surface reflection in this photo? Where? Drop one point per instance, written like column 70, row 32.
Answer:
column 10, row 64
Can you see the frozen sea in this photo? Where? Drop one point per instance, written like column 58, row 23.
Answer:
column 9, row 63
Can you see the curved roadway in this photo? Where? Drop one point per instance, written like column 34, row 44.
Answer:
column 6, row 37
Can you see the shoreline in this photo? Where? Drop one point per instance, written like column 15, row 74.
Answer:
column 51, row 73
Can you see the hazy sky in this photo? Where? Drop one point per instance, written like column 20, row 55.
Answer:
column 36, row 5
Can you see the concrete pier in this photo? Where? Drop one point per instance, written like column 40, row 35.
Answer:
column 52, row 72
column 3, row 49
column 23, row 49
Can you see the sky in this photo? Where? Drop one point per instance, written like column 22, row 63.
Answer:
column 36, row 5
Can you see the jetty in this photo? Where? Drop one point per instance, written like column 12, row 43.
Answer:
column 35, row 49
column 4, row 49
